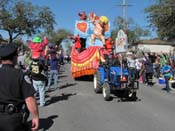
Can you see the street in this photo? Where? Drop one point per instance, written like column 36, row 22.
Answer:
column 76, row 107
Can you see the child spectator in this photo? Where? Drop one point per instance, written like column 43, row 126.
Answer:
column 37, row 46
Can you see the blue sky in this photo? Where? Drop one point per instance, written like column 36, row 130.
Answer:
column 66, row 10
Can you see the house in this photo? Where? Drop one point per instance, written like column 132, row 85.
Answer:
column 154, row 45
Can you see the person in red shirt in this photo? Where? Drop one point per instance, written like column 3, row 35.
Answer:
column 37, row 46
column 108, row 44
column 76, row 42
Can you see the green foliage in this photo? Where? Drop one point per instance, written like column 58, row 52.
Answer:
column 162, row 18
column 134, row 31
column 59, row 36
column 19, row 17
column 68, row 47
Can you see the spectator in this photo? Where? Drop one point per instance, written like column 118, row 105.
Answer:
column 27, row 58
column 157, row 67
column 149, row 71
column 53, row 62
column 172, row 64
column 39, row 79
column 37, row 46
column 21, row 62
column 131, row 65
column 138, row 68
column 166, row 71
column 142, row 72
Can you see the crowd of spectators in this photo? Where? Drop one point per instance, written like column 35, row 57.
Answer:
column 147, row 66
column 41, row 70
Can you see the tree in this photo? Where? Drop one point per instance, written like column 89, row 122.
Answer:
column 68, row 47
column 162, row 18
column 134, row 31
column 59, row 36
column 18, row 17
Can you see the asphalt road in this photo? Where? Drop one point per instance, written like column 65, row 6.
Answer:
column 75, row 107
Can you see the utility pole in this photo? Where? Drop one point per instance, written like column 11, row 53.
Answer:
column 124, row 5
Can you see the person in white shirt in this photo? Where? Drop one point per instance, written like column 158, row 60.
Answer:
column 131, row 63
column 138, row 67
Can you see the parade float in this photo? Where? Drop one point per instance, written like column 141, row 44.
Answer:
column 90, row 35
column 94, row 54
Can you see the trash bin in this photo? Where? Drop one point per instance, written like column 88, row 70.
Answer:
column 161, row 81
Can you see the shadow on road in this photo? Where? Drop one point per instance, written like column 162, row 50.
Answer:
column 61, row 72
column 67, row 85
column 45, row 123
column 61, row 76
column 84, row 78
column 60, row 98
column 122, row 97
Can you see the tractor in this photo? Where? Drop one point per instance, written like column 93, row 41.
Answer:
column 112, row 76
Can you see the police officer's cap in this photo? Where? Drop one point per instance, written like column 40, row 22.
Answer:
column 7, row 50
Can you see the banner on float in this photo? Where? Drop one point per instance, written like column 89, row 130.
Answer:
column 121, row 42
column 86, row 28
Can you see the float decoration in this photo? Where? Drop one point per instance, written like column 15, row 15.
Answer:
column 82, row 15
column 121, row 42
column 85, row 29
column 86, row 62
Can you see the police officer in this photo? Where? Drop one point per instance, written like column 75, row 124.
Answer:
column 15, row 91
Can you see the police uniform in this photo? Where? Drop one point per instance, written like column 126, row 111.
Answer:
column 14, row 89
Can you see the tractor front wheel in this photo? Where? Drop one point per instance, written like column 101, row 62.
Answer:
column 106, row 91
column 97, row 82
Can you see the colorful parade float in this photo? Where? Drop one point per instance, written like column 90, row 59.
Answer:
column 90, row 35
column 93, row 53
